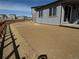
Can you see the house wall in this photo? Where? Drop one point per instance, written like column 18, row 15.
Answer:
column 34, row 15
column 74, row 15
column 62, row 15
column 11, row 17
column 20, row 17
column 46, row 19
column 2, row 17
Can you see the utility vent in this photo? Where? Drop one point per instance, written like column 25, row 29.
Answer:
column 43, row 56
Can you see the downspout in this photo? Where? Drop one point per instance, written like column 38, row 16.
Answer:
column 32, row 14
column 61, row 15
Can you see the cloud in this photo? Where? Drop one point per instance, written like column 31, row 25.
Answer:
column 14, row 6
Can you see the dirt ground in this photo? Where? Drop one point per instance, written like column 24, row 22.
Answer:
column 54, row 41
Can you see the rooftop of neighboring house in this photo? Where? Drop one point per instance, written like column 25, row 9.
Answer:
column 2, row 14
column 12, row 14
column 8, row 14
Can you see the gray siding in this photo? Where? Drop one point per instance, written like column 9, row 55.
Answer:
column 46, row 19
column 34, row 15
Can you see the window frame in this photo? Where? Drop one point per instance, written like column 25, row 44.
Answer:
column 50, row 11
column 40, row 13
column 54, row 11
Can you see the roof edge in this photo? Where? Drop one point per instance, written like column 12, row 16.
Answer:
column 45, row 5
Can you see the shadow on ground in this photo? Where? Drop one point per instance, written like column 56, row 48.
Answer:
column 3, row 40
column 69, row 27
column 15, row 21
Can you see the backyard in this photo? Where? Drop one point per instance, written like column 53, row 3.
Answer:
column 28, row 40
column 54, row 41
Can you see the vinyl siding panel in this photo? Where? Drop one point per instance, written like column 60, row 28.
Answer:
column 46, row 19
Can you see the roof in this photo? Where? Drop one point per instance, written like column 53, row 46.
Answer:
column 55, row 3
column 46, row 5
column 11, row 14
column 2, row 14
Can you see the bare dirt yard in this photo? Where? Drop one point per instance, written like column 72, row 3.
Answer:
column 54, row 41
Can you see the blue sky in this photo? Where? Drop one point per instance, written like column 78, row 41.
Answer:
column 20, row 7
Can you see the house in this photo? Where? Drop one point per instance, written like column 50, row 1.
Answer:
column 59, row 12
column 11, row 16
column 20, row 17
column 7, row 17
column 29, row 18
column 3, row 17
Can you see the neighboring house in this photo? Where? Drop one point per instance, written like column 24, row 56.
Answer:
column 11, row 16
column 29, row 18
column 58, row 12
column 25, row 17
column 20, row 17
column 3, row 16
column 7, row 17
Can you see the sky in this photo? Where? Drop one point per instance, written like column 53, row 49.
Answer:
column 20, row 7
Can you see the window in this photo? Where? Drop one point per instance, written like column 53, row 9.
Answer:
column 50, row 11
column 78, row 12
column 40, row 13
column 54, row 11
